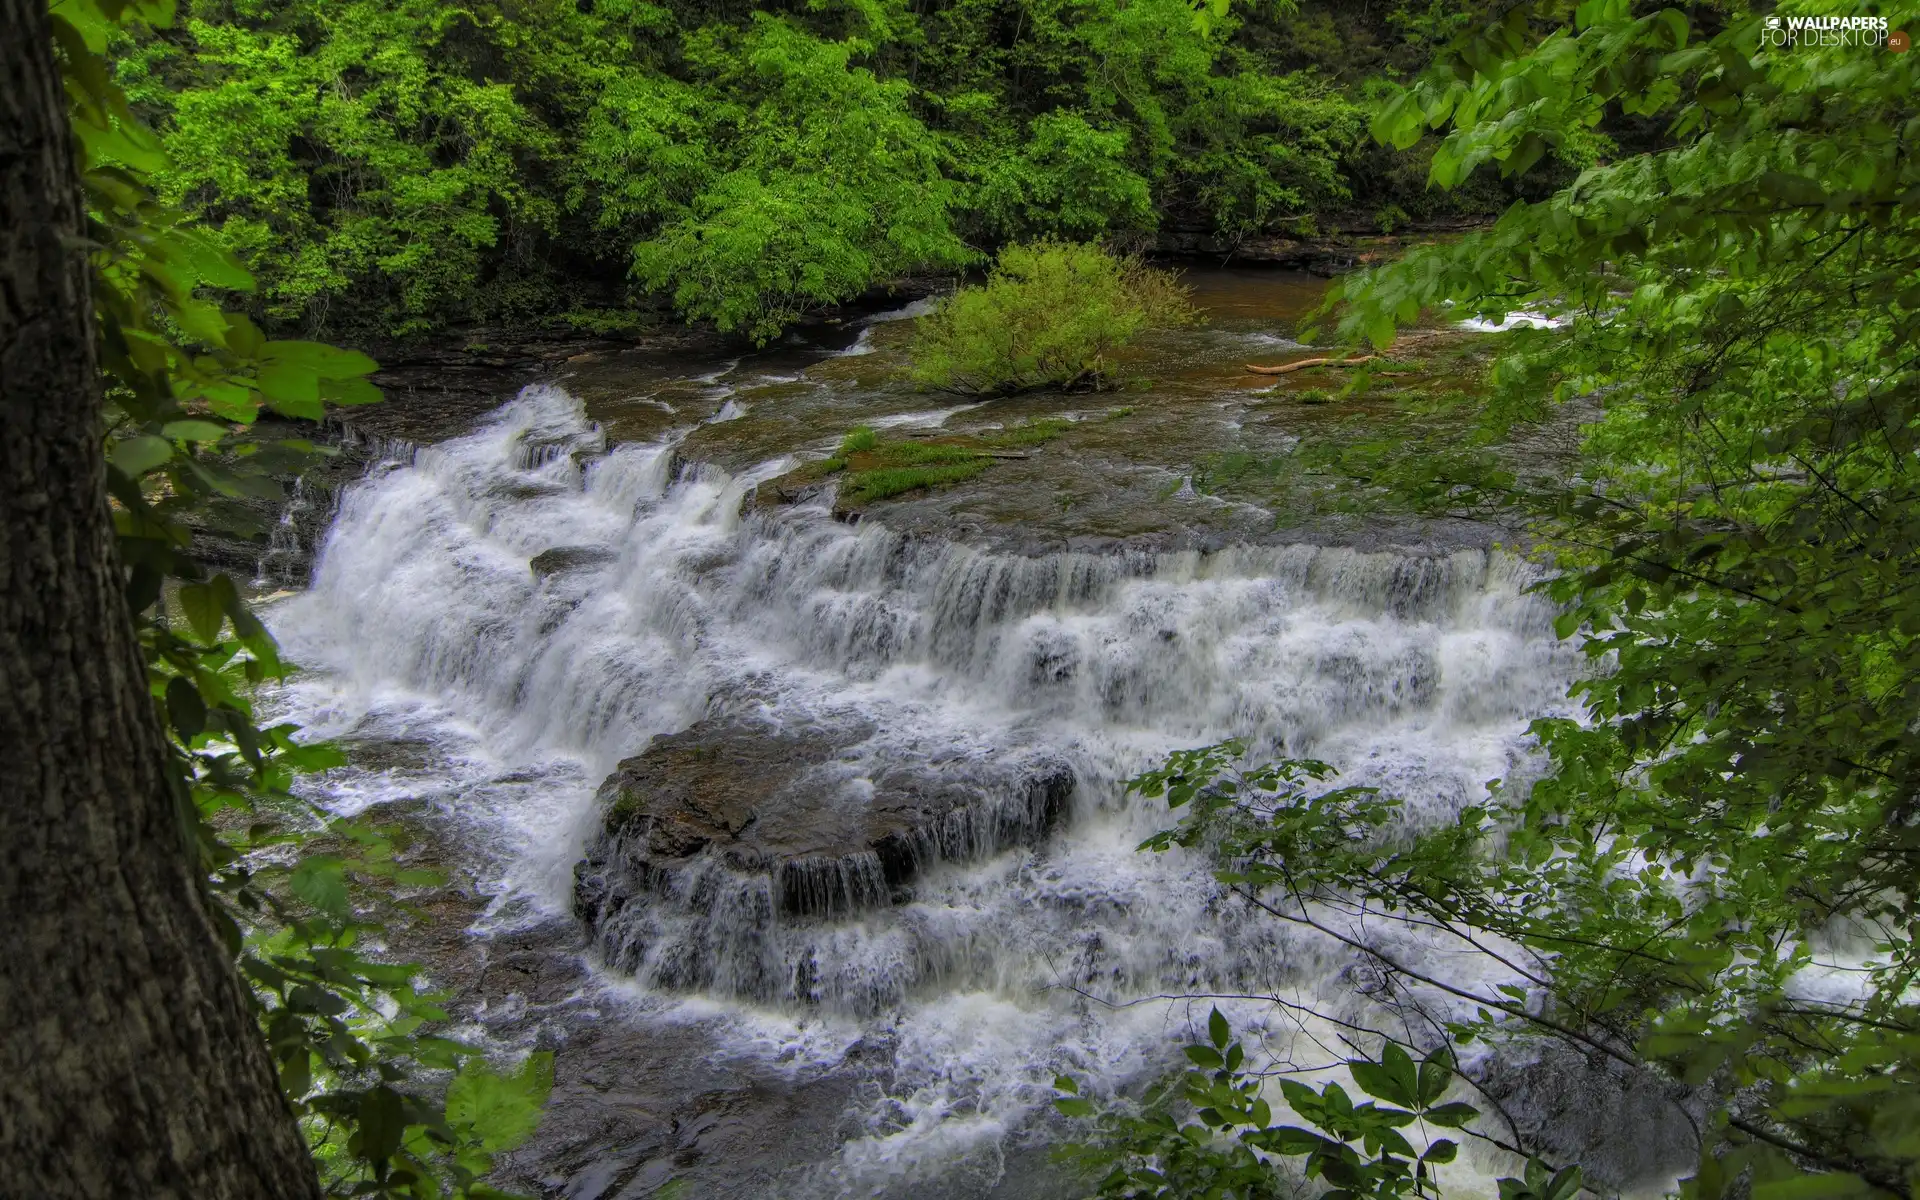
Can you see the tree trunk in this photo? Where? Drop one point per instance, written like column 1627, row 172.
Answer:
column 130, row 1063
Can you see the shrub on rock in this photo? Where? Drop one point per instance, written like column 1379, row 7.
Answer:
column 1050, row 314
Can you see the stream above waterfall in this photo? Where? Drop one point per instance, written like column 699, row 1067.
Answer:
column 498, row 619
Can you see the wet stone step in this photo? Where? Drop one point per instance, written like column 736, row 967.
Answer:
column 715, row 835
column 569, row 558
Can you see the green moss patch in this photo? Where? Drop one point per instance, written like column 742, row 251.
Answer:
column 869, row 468
column 878, row 484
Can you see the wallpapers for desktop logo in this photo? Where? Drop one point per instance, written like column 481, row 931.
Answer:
column 1815, row 33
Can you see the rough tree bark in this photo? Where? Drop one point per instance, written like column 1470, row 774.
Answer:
column 130, row 1065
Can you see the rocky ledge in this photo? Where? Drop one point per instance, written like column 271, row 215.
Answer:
column 714, row 835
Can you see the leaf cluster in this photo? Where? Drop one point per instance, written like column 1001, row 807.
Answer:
column 1212, row 1132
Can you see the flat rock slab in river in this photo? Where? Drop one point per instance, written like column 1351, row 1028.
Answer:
column 569, row 558
column 832, row 829
column 718, row 837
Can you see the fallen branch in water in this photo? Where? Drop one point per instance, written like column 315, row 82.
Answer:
column 1404, row 340
column 1303, row 364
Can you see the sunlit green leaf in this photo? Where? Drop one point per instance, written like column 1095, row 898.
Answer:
column 138, row 455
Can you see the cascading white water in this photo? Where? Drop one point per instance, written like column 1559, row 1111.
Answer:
column 283, row 540
column 428, row 617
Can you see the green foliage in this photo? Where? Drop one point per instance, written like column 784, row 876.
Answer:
column 349, row 1034
column 405, row 166
column 1264, row 815
column 1068, row 178
column 858, row 439
column 1212, row 1131
column 847, row 193
column 494, row 1111
column 1734, row 548
column 347, row 152
column 1050, row 314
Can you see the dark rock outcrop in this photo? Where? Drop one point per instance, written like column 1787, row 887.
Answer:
column 717, row 836
column 568, row 558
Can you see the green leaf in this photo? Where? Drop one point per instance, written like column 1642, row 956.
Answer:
column 1217, row 1030
column 193, row 431
column 1391, row 1081
column 1523, row 156
column 205, row 613
column 1440, row 1150
column 1451, row 1116
column 215, row 265
column 296, row 1074
column 321, row 881
column 290, row 389
column 201, row 321
column 138, row 455
column 382, row 1124
column 1791, row 189
column 86, row 18
column 1399, row 1063
column 500, row 1111
column 185, row 708
column 231, row 401
column 1206, row 1057
column 349, row 392
column 1834, row 1185
column 1564, row 1185
column 318, row 360
column 1435, row 1076
column 1291, row 1140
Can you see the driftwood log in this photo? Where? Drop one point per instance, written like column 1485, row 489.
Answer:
column 1401, row 342
column 1303, row 364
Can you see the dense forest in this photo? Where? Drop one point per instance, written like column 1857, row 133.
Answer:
column 410, row 166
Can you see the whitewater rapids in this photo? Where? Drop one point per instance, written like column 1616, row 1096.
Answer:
column 426, row 620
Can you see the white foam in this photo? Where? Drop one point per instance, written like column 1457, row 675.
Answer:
column 1519, row 319
column 862, row 345
column 918, row 308
column 930, row 418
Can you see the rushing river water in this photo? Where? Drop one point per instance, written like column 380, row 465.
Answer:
column 1415, row 669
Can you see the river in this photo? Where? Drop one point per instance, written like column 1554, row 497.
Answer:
column 1086, row 609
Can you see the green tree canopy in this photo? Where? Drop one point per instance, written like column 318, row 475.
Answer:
column 404, row 165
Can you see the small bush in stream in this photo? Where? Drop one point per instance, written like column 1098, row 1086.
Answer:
column 860, row 438
column 1050, row 314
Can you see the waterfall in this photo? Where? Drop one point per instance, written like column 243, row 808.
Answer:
column 284, row 553
column 676, row 603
